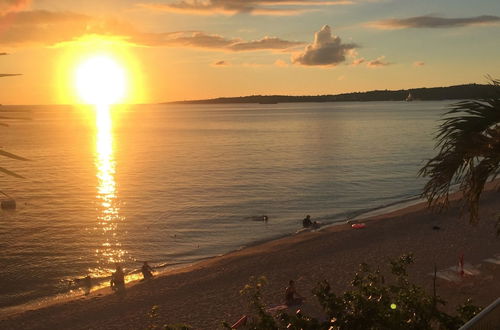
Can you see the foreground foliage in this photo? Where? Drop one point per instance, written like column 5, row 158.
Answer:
column 372, row 303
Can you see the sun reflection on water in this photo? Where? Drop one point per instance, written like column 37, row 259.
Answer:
column 108, row 219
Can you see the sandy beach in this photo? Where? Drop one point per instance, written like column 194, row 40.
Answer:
column 204, row 294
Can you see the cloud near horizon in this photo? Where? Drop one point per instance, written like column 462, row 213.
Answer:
column 221, row 63
column 232, row 7
column 9, row 74
column 377, row 63
column 418, row 63
column 60, row 28
column 433, row 22
column 326, row 50
column 7, row 6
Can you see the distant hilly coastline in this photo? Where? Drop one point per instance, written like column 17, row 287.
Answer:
column 469, row 91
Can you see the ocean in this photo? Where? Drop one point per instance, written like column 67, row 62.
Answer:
column 175, row 184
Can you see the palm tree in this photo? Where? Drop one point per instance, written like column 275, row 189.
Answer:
column 469, row 153
column 2, row 117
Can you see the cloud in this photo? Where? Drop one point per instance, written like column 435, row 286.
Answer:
column 231, row 7
column 9, row 74
column 7, row 6
column 358, row 61
column 215, row 42
column 3, row 54
column 45, row 27
column 418, row 63
column 325, row 50
column 221, row 63
column 271, row 43
column 61, row 28
column 378, row 62
column 433, row 22
column 280, row 63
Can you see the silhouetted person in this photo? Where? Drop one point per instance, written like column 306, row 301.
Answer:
column 306, row 223
column 292, row 297
column 147, row 271
column 87, row 284
column 118, row 279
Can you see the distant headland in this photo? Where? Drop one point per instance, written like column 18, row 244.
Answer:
column 468, row 91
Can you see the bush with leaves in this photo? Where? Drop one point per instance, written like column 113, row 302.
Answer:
column 372, row 303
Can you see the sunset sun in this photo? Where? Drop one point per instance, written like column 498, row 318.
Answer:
column 100, row 80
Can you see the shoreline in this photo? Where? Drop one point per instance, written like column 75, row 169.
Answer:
column 104, row 289
column 390, row 226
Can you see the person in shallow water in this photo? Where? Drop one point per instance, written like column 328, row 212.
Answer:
column 306, row 223
column 147, row 271
column 87, row 284
column 118, row 279
column 292, row 297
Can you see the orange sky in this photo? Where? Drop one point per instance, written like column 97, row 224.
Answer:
column 180, row 49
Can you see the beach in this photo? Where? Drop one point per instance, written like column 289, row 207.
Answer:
column 206, row 293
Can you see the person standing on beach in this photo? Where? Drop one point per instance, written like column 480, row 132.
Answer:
column 147, row 271
column 87, row 284
column 118, row 279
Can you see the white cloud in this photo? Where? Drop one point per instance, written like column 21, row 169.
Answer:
column 325, row 50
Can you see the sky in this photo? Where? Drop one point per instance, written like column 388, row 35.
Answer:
column 196, row 49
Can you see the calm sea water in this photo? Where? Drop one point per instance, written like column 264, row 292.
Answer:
column 173, row 184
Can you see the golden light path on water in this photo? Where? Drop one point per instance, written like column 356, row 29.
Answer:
column 110, row 251
column 108, row 219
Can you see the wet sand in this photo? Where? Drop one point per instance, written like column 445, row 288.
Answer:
column 204, row 294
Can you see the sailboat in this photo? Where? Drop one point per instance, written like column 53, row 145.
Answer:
column 409, row 98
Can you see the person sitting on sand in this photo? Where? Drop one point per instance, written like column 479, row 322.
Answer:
column 118, row 279
column 147, row 271
column 292, row 297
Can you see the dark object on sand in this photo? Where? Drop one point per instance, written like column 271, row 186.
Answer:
column 436, row 227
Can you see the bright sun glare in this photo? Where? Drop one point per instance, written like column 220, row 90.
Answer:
column 100, row 80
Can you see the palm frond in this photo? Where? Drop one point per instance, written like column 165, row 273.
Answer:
column 469, row 153
column 6, row 171
column 11, row 155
